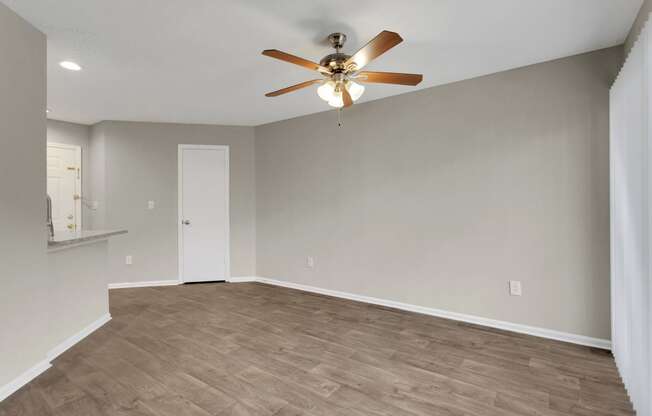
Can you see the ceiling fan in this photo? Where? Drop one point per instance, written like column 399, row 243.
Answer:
column 342, row 73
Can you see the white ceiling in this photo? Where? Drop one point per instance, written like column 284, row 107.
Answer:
column 199, row 61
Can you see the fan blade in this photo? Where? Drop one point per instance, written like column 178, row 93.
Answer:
column 275, row 53
column 293, row 88
column 389, row 78
column 383, row 42
column 346, row 97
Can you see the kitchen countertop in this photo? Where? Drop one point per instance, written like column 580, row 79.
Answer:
column 83, row 236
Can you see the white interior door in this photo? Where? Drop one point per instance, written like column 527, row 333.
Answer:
column 203, row 213
column 64, row 186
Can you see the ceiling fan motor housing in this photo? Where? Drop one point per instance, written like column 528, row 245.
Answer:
column 335, row 61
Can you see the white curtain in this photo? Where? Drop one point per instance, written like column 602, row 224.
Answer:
column 631, row 223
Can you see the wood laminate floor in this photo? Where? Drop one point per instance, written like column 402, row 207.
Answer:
column 252, row 349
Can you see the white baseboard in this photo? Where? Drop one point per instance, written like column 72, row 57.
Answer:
column 15, row 384
column 508, row 326
column 150, row 283
column 244, row 279
column 153, row 283
column 11, row 387
column 61, row 348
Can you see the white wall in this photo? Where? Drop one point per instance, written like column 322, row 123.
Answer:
column 133, row 163
column 437, row 198
column 24, row 307
column 631, row 222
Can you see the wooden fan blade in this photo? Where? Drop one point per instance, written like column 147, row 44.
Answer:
column 389, row 78
column 377, row 46
column 346, row 98
column 275, row 53
column 293, row 88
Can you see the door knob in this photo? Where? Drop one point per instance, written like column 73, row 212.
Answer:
column 185, row 222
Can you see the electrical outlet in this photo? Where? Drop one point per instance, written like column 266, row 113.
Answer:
column 150, row 204
column 128, row 260
column 95, row 205
column 310, row 262
column 515, row 288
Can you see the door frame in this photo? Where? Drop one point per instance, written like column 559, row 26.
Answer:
column 78, row 181
column 181, row 148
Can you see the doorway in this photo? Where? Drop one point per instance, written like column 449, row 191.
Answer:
column 64, row 179
column 203, row 213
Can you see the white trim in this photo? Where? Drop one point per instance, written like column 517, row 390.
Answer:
column 78, row 181
column 61, row 348
column 179, row 212
column 15, row 384
column 508, row 326
column 150, row 283
column 244, row 279
column 227, row 180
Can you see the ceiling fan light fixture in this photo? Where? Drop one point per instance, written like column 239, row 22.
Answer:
column 355, row 90
column 326, row 91
column 339, row 70
column 337, row 100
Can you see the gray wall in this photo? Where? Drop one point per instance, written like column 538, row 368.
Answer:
column 78, row 288
column 641, row 19
column 96, row 176
column 24, row 307
column 75, row 135
column 439, row 197
column 140, row 164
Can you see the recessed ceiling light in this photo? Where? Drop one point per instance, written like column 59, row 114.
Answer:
column 73, row 66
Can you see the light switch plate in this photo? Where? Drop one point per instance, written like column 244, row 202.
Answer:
column 128, row 260
column 150, row 204
column 310, row 262
column 515, row 288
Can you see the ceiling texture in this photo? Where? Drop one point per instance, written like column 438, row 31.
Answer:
column 199, row 61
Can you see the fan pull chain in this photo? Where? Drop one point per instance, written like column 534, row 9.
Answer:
column 339, row 117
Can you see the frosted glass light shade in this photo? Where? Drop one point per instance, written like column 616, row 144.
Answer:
column 329, row 92
column 355, row 90
column 336, row 101
column 326, row 91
